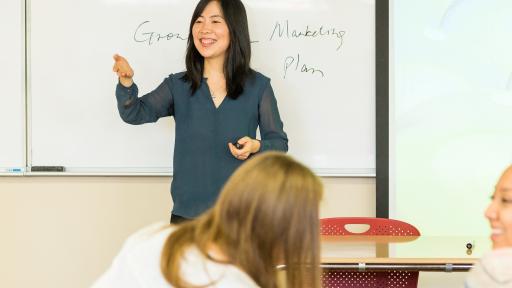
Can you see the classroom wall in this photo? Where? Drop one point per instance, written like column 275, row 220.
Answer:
column 61, row 232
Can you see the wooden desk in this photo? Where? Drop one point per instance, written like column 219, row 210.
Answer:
column 384, row 253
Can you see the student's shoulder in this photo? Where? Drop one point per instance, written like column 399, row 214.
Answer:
column 199, row 270
column 493, row 270
column 138, row 262
column 156, row 232
column 234, row 277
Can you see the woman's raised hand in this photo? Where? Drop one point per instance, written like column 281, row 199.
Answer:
column 123, row 70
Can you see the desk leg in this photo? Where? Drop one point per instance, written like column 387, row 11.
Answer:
column 382, row 250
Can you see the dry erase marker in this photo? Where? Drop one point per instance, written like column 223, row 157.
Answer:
column 15, row 170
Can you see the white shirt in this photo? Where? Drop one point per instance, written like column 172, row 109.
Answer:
column 493, row 270
column 138, row 265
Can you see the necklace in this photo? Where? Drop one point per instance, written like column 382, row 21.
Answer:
column 216, row 97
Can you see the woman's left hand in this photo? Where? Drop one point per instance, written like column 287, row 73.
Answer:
column 250, row 146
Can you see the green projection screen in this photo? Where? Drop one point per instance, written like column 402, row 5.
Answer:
column 450, row 111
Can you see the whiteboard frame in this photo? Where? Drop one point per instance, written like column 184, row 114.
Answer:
column 24, row 33
column 28, row 95
column 320, row 173
column 383, row 43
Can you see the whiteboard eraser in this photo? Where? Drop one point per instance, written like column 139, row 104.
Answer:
column 47, row 169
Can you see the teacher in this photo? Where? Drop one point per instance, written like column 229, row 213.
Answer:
column 217, row 102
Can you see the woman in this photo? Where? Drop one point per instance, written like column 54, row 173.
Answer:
column 494, row 269
column 218, row 102
column 266, row 215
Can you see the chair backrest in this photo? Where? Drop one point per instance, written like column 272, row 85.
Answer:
column 331, row 278
column 377, row 226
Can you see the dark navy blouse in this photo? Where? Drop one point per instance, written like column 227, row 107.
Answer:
column 202, row 160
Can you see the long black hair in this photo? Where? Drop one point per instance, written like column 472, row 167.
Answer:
column 238, row 55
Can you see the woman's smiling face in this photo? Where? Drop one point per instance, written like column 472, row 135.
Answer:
column 211, row 33
column 499, row 212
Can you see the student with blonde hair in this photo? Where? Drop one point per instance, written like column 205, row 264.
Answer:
column 266, row 215
column 494, row 269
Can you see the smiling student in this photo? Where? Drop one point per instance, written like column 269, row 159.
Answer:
column 217, row 102
column 494, row 269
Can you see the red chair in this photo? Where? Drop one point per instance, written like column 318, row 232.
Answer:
column 332, row 278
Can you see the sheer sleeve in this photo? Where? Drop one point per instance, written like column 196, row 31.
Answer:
column 148, row 108
column 273, row 136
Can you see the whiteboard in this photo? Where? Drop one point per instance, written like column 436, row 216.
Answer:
column 451, row 109
column 12, row 95
column 324, row 85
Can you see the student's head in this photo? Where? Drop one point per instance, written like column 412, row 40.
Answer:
column 219, row 30
column 499, row 212
column 266, row 214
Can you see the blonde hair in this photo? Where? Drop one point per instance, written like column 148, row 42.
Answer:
column 266, row 214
